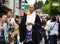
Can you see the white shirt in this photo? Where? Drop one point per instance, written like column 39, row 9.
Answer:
column 54, row 31
column 30, row 19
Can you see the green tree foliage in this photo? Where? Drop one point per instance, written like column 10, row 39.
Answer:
column 49, row 9
column 55, row 0
column 55, row 9
column 47, row 1
column 38, row 4
column 46, row 8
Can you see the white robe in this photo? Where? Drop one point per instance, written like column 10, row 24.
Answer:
column 30, row 19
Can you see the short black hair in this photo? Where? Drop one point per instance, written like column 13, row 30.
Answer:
column 5, row 9
column 1, row 14
column 53, row 19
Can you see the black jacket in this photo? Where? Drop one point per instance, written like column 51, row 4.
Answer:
column 35, row 29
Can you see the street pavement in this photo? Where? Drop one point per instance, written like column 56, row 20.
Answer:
column 42, row 42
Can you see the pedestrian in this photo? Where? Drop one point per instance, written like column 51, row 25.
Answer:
column 16, row 31
column 58, row 21
column 52, row 28
column 5, row 26
column 29, row 28
column 43, row 31
column 11, row 23
column 2, row 37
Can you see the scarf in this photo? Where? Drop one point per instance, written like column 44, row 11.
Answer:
column 30, row 19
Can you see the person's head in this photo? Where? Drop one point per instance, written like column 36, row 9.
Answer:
column 4, row 17
column 57, row 17
column 31, row 8
column 41, row 15
column 9, row 14
column 7, row 11
column 53, row 19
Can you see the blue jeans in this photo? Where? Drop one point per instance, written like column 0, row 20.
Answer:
column 15, row 40
column 53, row 39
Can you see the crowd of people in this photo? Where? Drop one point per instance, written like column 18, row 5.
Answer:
column 36, row 27
column 31, row 28
column 9, row 27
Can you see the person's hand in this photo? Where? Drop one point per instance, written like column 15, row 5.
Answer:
column 10, row 33
column 15, row 33
column 16, row 27
column 33, row 24
column 7, row 40
column 42, row 26
column 1, row 28
column 30, row 23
